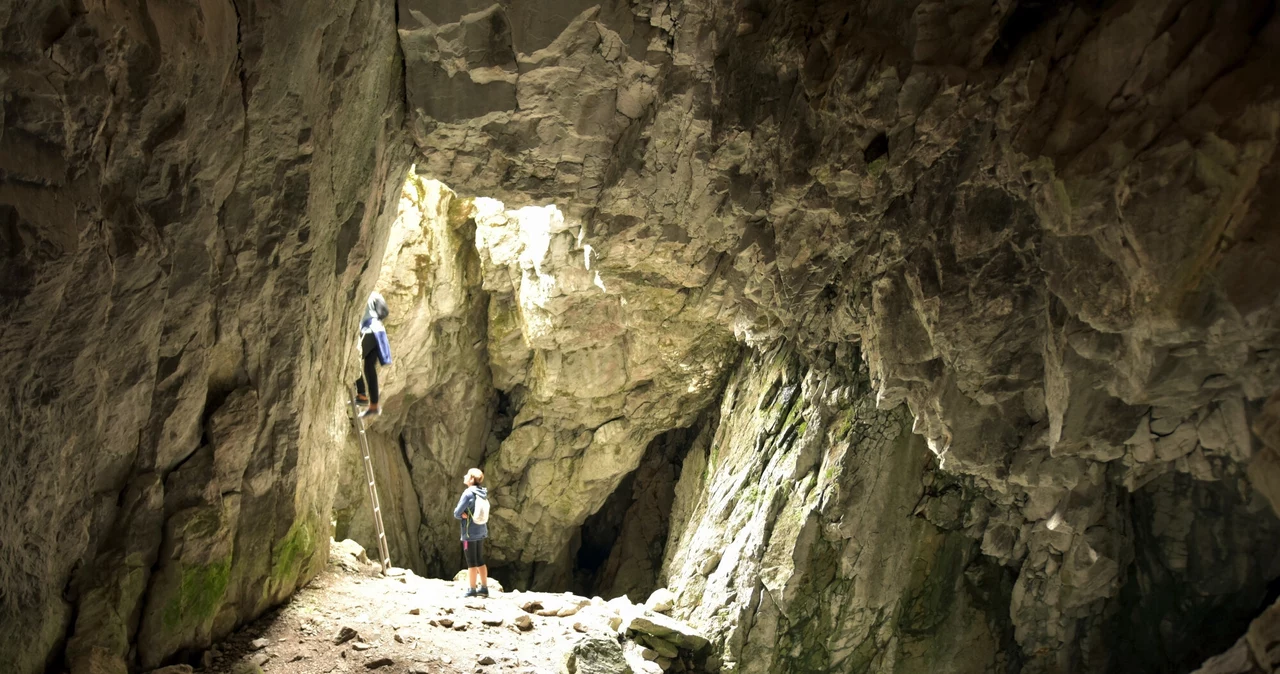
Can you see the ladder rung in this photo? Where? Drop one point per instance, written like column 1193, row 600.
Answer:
column 373, row 487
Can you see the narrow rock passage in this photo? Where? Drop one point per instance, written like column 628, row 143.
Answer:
column 352, row 619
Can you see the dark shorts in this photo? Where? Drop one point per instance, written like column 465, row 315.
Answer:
column 474, row 552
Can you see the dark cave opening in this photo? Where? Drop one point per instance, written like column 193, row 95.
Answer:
column 1025, row 19
column 1272, row 595
column 1171, row 619
column 621, row 546
column 504, row 415
column 599, row 535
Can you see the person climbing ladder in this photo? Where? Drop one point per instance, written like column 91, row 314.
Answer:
column 375, row 350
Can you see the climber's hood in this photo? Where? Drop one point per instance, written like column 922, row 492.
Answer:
column 376, row 307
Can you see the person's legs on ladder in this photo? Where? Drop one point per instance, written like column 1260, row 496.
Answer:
column 369, row 347
column 361, row 398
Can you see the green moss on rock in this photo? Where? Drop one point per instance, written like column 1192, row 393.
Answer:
column 460, row 210
column 875, row 168
column 293, row 553
column 199, row 596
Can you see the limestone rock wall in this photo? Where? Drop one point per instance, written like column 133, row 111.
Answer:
column 401, row 514
column 816, row 534
column 594, row 365
column 437, row 399
column 1045, row 228
column 512, row 352
column 189, row 196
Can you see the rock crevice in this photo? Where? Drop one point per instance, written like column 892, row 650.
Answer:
column 171, row 183
column 993, row 287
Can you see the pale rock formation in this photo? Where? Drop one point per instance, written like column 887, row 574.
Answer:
column 821, row 537
column 594, row 655
column 1008, row 272
column 437, row 399
column 1045, row 228
column 517, row 301
column 595, row 365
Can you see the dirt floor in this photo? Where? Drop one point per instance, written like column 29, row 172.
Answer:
column 406, row 625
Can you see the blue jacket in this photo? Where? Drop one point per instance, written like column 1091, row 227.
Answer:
column 374, row 326
column 470, row 530
column 375, row 311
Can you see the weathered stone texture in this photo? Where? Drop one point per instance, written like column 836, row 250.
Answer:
column 822, row 537
column 1044, row 227
column 1037, row 239
column 189, row 194
column 594, row 366
column 438, row 401
column 509, row 346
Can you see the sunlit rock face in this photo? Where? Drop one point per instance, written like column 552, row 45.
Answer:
column 437, row 399
column 1038, row 236
column 189, row 196
column 512, row 352
column 1047, row 229
column 597, row 365
column 495, row 311
column 815, row 533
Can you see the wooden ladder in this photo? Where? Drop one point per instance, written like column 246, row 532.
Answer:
column 384, row 555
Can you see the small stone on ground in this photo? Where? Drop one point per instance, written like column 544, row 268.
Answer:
column 352, row 620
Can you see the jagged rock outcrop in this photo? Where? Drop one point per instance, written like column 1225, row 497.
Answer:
column 438, row 400
column 189, row 196
column 1047, row 228
column 595, row 366
column 1043, row 227
column 508, row 346
column 817, row 534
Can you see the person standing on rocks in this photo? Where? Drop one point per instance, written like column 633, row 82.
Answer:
column 473, row 511
column 375, row 350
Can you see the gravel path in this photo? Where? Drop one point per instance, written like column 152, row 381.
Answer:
column 407, row 625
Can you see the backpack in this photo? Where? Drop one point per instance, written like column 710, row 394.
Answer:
column 480, row 511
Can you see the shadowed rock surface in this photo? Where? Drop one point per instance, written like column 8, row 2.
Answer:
column 189, row 197
column 969, row 311
column 1038, row 226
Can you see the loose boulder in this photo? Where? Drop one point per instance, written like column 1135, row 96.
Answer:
column 594, row 655
column 661, row 601
column 665, row 629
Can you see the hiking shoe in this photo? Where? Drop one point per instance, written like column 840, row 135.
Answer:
column 371, row 412
column 483, row 591
column 471, row 592
column 362, row 400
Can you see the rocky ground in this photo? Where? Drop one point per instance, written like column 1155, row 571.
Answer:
column 353, row 619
